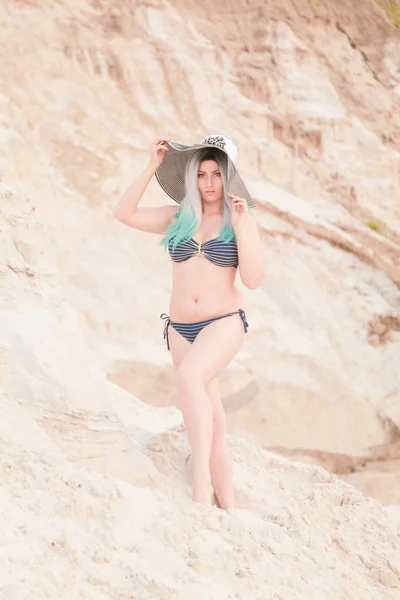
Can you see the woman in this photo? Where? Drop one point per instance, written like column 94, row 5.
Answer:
column 208, row 239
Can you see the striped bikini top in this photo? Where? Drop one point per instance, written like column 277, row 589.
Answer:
column 223, row 254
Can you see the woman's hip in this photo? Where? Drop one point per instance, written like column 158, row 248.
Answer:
column 193, row 309
column 191, row 329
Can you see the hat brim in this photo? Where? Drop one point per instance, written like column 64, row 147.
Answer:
column 171, row 173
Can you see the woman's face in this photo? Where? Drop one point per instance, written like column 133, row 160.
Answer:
column 210, row 183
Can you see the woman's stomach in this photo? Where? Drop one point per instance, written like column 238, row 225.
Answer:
column 202, row 291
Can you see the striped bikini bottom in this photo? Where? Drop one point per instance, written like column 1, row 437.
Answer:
column 191, row 330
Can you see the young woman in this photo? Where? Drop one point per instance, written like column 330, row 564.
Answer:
column 209, row 238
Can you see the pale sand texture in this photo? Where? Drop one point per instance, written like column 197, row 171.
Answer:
column 94, row 501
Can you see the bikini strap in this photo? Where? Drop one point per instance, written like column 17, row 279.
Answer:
column 167, row 321
column 239, row 312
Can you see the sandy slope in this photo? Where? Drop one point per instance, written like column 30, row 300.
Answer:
column 94, row 501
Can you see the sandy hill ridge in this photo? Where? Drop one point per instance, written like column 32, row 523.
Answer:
column 93, row 499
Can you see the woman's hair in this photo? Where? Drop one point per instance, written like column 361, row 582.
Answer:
column 188, row 217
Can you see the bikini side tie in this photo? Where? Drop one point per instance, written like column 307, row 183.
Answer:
column 167, row 321
column 243, row 317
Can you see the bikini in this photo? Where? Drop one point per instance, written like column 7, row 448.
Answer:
column 223, row 254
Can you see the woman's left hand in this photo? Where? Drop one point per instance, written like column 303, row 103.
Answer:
column 240, row 209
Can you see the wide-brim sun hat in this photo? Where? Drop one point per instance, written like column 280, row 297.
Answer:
column 171, row 173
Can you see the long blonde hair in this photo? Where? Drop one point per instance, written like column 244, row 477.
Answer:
column 188, row 217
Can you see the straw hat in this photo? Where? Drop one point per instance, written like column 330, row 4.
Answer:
column 171, row 173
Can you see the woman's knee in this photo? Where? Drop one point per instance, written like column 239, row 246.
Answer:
column 188, row 379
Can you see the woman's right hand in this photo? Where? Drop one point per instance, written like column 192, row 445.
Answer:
column 157, row 150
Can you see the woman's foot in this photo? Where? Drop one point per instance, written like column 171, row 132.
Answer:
column 227, row 504
column 202, row 490
column 222, row 475
column 216, row 501
column 203, row 495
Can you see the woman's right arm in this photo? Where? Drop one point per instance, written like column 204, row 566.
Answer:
column 152, row 220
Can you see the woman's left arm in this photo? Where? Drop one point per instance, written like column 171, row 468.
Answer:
column 249, row 244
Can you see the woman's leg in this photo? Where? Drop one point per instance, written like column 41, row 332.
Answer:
column 214, row 348
column 220, row 459
column 197, row 413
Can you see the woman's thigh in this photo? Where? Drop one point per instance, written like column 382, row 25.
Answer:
column 213, row 349
column 179, row 346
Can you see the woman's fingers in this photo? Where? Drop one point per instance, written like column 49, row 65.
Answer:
column 238, row 201
column 239, row 205
column 160, row 147
column 160, row 140
column 157, row 150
